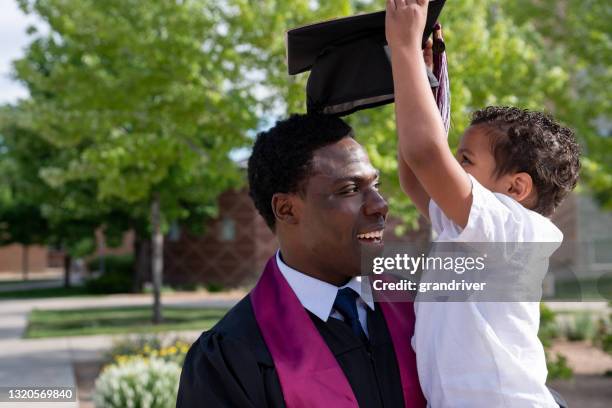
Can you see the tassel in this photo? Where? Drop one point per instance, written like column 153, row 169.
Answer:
column 442, row 92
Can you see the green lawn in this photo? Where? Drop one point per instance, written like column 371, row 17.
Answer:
column 19, row 281
column 44, row 293
column 117, row 320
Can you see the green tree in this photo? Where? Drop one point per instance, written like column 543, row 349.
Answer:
column 34, row 212
column 152, row 97
column 21, row 218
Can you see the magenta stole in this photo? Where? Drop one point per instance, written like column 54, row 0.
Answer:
column 308, row 372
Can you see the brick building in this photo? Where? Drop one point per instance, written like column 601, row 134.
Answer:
column 12, row 259
column 233, row 248
column 586, row 252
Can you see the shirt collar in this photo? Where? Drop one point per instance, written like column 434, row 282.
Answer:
column 317, row 296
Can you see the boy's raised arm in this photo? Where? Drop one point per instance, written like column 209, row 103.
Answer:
column 421, row 134
column 408, row 181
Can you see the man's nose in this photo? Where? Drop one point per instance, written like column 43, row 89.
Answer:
column 375, row 204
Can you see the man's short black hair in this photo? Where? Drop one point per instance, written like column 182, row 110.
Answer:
column 533, row 142
column 282, row 156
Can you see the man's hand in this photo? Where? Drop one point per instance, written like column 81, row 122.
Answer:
column 405, row 22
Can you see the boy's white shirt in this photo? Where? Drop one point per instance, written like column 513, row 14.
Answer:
column 484, row 354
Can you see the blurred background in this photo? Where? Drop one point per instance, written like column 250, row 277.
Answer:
column 125, row 224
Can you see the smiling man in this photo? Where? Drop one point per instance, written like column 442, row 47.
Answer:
column 309, row 334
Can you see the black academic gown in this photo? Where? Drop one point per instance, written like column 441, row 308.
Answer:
column 230, row 365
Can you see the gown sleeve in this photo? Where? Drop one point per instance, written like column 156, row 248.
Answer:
column 220, row 372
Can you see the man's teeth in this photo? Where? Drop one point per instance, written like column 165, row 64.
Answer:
column 371, row 235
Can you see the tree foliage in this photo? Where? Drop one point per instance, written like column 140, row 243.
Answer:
column 499, row 53
column 32, row 211
column 151, row 96
column 575, row 35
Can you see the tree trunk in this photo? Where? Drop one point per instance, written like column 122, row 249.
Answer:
column 25, row 261
column 67, row 265
column 157, row 258
column 142, row 262
column 102, row 254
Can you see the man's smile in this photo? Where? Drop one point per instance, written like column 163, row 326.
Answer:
column 372, row 237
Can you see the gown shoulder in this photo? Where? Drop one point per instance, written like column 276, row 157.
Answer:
column 228, row 364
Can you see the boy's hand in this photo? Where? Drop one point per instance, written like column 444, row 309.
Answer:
column 405, row 22
column 428, row 54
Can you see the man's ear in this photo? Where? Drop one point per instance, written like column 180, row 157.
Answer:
column 285, row 208
column 521, row 187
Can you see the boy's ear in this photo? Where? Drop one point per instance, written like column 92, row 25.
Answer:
column 285, row 208
column 521, row 187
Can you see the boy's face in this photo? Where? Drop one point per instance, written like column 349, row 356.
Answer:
column 476, row 157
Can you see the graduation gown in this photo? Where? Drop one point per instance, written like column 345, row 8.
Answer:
column 231, row 366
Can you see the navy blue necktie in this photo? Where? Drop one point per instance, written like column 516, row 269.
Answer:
column 345, row 304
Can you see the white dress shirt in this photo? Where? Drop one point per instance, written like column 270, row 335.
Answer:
column 485, row 354
column 318, row 297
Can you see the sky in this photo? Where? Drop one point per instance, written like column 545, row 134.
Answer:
column 13, row 39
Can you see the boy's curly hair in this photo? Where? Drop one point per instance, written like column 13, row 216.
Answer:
column 282, row 156
column 533, row 142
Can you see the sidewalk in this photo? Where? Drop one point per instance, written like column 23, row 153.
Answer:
column 49, row 362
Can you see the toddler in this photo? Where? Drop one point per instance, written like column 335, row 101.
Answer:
column 512, row 169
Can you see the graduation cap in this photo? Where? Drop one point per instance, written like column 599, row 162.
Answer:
column 348, row 59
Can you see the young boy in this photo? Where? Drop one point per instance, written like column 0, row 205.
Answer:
column 512, row 169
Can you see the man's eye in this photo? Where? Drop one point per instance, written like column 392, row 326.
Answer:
column 349, row 190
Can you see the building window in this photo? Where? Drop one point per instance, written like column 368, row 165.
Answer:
column 601, row 251
column 228, row 229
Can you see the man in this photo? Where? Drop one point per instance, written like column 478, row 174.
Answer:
column 309, row 334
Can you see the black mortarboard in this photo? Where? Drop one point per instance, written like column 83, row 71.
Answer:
column 348, row 60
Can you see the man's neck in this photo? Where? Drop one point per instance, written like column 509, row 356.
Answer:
column 294, row 262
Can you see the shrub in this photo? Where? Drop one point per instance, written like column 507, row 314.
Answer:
column 133, row 345
column 117, row 277
column 549, row 330
column 606, row 343
column 153, row 346
column 138, row 382
column 215, row 287
column 580, row 328
column 603, row 334
column 112, row 263
column 557, row 367
column 110, row 282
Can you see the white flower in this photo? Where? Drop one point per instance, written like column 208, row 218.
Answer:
column 138, row 382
